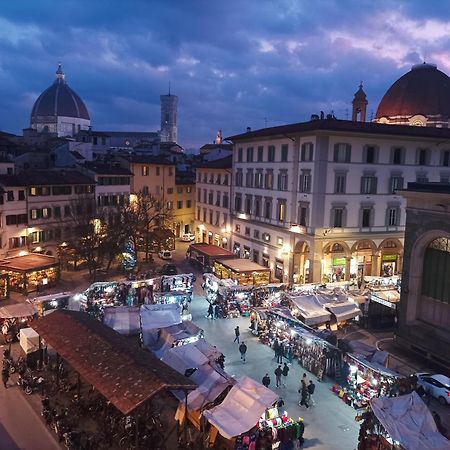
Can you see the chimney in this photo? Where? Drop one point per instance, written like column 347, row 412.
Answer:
column 249, row 129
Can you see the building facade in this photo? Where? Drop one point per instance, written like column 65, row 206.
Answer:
column 184, row 205
column 424, row 318
column 317, row 201
column 213, row 202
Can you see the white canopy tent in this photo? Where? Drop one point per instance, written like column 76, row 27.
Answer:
column 211, row 381
column 310, row 308
column 123, row 319
column 241, row 408
column 17, row 310
column 154, row 317
column 408, row 421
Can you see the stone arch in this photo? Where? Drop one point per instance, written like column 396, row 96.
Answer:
column 301, row 272
column 413, row 286
column 383, row 243
column 364, row 244
column 332, row 248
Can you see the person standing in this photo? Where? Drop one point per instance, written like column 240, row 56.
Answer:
column 305, row 379
column 266, row 380
column 243, row 351
column 237, row 333
column 278, row 372
column 210, row 311
column 216, row 310
column 311, row 388
column 280, row 353
column 285, row 374
column 276, row 347
column 303, row 395
column 5, row 331
column 5, row 376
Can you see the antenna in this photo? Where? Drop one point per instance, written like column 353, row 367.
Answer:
column 169, row 87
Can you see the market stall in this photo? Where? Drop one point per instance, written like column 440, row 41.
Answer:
column 45, row 304
column 211, row 286
column 382, row 308
column 400, row 423
column 123, row 319
column 366, row 379
column 176, row 335
column 206, row 254
column 4, row 286
column 234, row 299
column 154, row 317
column 16, row 317
column 31, row 272
column 308, row 309
column 268, row 295
column 242, row 271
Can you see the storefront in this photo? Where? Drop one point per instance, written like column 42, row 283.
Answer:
column 279, row 269
column 242, row 271
column 388, row 265
column 4, row 286
column 32, row 272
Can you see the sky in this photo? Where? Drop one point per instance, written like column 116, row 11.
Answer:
column 233, row 64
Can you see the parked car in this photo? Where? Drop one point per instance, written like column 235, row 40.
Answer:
column 169, row 269
column 438, row 386
column 165, row 254
column 187, row 237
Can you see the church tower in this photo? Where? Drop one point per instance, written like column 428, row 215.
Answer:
column 359, row 105
column 169, row 105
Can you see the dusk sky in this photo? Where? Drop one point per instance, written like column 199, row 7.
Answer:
column 233, row 64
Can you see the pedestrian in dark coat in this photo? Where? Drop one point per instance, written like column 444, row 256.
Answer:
column 285, row 374
column 237, row 333
column 304, row 394
column 280, row 353
column 210, row 311
column 311, row 388
column 5, row 377
column 278, row 372
column 243, row 351
column 276, row 347
column 266, row 380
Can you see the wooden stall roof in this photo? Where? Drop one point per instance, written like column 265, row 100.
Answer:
column 242, row 265
column 211, row 250
column 28, row 263
column 120, row 370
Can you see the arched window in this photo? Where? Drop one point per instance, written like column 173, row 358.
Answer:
column 436, row 270
column 337, row 248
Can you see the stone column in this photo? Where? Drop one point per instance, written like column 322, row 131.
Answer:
column 375, row 268
column 347, row 268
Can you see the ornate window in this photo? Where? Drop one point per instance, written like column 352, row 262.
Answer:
column 436, row 267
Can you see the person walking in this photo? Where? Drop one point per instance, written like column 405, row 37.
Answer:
column 311, row 388
column 278, row 372
column 276, row 347
column 285, row 373
column 210, row 311
column 216, row 310
column 280, row 353
column 243, row 351
column 266, row 380
column 305, row 379
column 5, row 331
column 303, row 395
column 237, row 333
column 5, row 376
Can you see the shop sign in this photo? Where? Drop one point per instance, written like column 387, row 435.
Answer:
column 389, row 258
column 339, row 261
column 382, row 301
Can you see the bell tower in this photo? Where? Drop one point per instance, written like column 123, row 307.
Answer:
column 359, row 105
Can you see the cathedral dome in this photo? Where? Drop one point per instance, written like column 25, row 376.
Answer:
column 422, row 94
column 59, row 109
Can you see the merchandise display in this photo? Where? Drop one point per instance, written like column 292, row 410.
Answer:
column 366, row 380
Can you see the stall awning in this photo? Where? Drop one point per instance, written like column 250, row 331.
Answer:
column 343, row 310
column 28, row 263
column 210, row 379
column 211, row 250
column 310, row 309
column 17, row 310
column 373, row 365
column 123, row 319
column 408, row 421
column 388, row 297
column 241, row 408
column 121, row 371
column 242, row 265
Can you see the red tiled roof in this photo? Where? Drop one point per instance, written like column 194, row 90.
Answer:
column 121, row 371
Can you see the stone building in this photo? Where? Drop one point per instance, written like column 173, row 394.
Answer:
column 424, row 318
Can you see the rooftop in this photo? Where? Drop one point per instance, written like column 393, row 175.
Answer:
column 346, row 126
column 222, row 163
column 106, row 169
column 46, row 177
column 122, row 372
column 28, row 263
column 437, row 188
column 148, row 159
column 211, row 250
column 242, row 265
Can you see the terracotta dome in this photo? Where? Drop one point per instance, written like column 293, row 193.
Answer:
column 59, row 100
column 424, row 91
